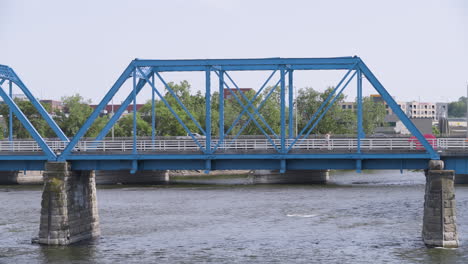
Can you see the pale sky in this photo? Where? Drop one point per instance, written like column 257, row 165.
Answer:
column 418, row 49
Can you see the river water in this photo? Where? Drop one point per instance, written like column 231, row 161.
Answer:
column 373, row 217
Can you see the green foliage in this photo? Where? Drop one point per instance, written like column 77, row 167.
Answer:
column 76, row 111
column 124, row 127
column 336, row 120
column 457, row 108
column 19, row 131
column 373, row 115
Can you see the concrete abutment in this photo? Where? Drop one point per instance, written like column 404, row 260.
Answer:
column 290, row 177
column 439, row 222
column 69, row 211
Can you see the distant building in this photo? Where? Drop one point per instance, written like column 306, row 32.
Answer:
column 412, row 109
column 228, row 94
column 56, row 106
column 108, row 109
column 21, row 97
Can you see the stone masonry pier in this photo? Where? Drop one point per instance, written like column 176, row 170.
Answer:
column 69, row 210
column 439, row 222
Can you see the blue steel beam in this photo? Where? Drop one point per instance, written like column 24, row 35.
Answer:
column 250, row 119
column 38, row 106
column 248, row 64
column 396, row 109
column 250, row 102
column 153, row 113
column 111, row 122
column 283, row 109
column 179, row 102
column 276, row 156
column 134, row 111
column 10, row 114
column 290, row 103
column 29, row 127
column 299, row 136
column 123, row 77
column 246, row 108
column 221, row 108
column 329, row 106
column 208, row 110
column 174, row 114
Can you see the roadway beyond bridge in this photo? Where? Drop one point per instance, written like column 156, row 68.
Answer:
column 69, row 209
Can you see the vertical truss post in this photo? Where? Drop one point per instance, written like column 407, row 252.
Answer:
column 283, row 108
column 208, row 109
column 153, row 114
column 221, row 107
column 360, row 131
column 134, row 112
column 10, row 116
column 291, row 104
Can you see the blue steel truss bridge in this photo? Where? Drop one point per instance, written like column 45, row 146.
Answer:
column 204, row 150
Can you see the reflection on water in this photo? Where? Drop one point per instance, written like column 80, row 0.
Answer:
column 374, row 217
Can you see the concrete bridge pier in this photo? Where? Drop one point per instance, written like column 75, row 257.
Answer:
column 290, row 177
column 439, row 222
column 69, row 210
column 20, row 177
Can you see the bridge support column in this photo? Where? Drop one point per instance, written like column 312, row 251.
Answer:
column 439, row 222
column 291, row 176
column 69, row 210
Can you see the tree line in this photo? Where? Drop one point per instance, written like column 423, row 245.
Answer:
column 457, row 108
column 76, row 110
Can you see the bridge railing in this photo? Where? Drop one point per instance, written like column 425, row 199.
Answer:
column 337, row 144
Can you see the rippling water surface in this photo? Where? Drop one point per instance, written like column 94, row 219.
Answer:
column 374, row 217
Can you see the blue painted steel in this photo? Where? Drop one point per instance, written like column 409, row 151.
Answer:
column 245, row 108
column 221, row 109
column 10, row 115
column 120, row 111
column 329, row 106
column 123, row 77
column 38, row 106
column 291, row 104
column 283, row 109
column 175, row 114
column 396, row 109
column 207, row 159
column 208, row 110
column 258, row 109
column 299, row 136
column 250, row 102
column 153, row 113
column 180, row 103
column 29, row 127
column 135, row 132
column 251, row 116
column 250, row 64
column 360, row 130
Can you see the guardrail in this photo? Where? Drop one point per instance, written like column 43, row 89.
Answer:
column 343, row 144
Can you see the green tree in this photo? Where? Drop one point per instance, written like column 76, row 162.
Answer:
column 124, row 127
column 335, row 120
column 457, row 108
column 373, row 115
column 19, row 131
column 76, row 112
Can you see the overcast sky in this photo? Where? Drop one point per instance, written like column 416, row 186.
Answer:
column 418, row 49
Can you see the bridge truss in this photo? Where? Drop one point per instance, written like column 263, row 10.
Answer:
column 211, row 154
column 282, row 151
